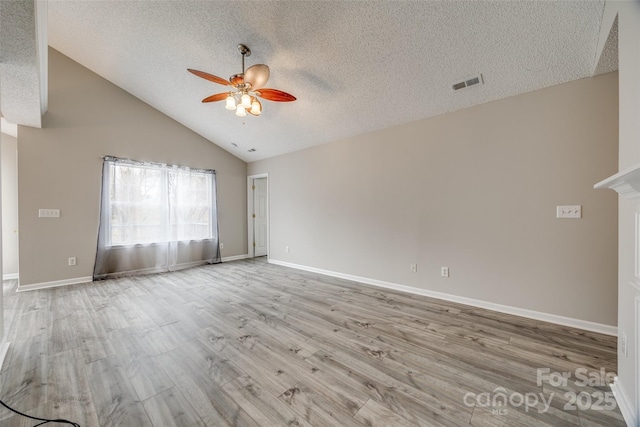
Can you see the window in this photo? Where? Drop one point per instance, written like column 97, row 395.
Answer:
column 136, row 203
column 190, row 192
column 154, row 218
column 152, row 204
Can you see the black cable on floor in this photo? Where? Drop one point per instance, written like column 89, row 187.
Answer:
column 44, row 420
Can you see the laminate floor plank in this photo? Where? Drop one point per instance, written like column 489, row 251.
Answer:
column 409, row 402
column 155, row 341
column 180, row 332
column 126, row 345
column 171, row 409
column 68, row 390
column 210, row 363
column 20, row 421
column 248, row 343
column 173, row 365
column 110, row 317
column 287, row 338
column 596, row 418
column 219, row 400
column 24, row 381
column 340, row 395
column 262, row 406
column 315, row 409
column 132, row 314
column 561, row 355
column 91, row 336
column 162, row 312
column 34, row 321
column 114, row 397
column 373, row 414
column 146, row 377
column 273, row 376
column 414, row 371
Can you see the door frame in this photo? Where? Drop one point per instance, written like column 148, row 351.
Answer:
column 250, row 229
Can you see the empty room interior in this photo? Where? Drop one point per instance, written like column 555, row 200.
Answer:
column 324, row 213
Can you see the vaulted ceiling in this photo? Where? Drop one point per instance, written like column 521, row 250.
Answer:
column 23, row 62
column 355, row 67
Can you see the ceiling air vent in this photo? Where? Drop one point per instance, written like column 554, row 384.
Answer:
column 471, row 81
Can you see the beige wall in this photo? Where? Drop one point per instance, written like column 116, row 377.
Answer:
column 9, row 205
column 476, row 191
column 60, row 167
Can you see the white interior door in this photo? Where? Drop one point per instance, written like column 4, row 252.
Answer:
column 260, row 217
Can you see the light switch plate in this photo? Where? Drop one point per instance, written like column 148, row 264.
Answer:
column 48, row 213
column 569, row 211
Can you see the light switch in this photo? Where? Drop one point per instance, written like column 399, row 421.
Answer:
column 569, row 211
column 48, row 213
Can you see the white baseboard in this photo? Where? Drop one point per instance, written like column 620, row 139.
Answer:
column 531, row 314
column 11, row 276
column 54, row 284
column 234, row 258
column 626, row 408
column 4, row 348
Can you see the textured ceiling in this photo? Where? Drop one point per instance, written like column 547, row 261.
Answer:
column 355, row 67
column 608, row 60
column 23, row 84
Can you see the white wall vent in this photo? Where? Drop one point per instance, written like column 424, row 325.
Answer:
column 468, row 82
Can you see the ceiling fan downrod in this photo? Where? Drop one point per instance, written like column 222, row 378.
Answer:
column 244, row 51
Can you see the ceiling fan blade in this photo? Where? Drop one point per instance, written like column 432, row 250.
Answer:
column 257, row 75
column 275, row 95
column 210, row 77
column 216, row 97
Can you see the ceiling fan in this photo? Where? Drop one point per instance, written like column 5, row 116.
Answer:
column 247, row 86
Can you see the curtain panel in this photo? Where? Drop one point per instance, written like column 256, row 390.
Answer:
column 155, row 218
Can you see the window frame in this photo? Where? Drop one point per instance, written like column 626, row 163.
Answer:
column 165, row 223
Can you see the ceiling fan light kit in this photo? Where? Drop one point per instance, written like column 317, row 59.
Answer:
column 247, row 86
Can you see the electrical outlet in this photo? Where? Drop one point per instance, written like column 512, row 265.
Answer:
column 286, row 249
column 72, row 261
column 221, row 246
column 444, row 271
column 413, row 268
column 623, row 344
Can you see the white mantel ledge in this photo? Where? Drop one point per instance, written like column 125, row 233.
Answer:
column 625, row 183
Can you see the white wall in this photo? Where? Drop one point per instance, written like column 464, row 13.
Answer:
column 629, row 155
column 476, row 191
column 3, row 337
column 9, row 155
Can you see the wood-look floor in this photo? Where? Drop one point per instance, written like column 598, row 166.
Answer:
column 247, row 343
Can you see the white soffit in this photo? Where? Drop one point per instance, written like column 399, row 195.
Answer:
column 355, row 67
column 23, row 61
